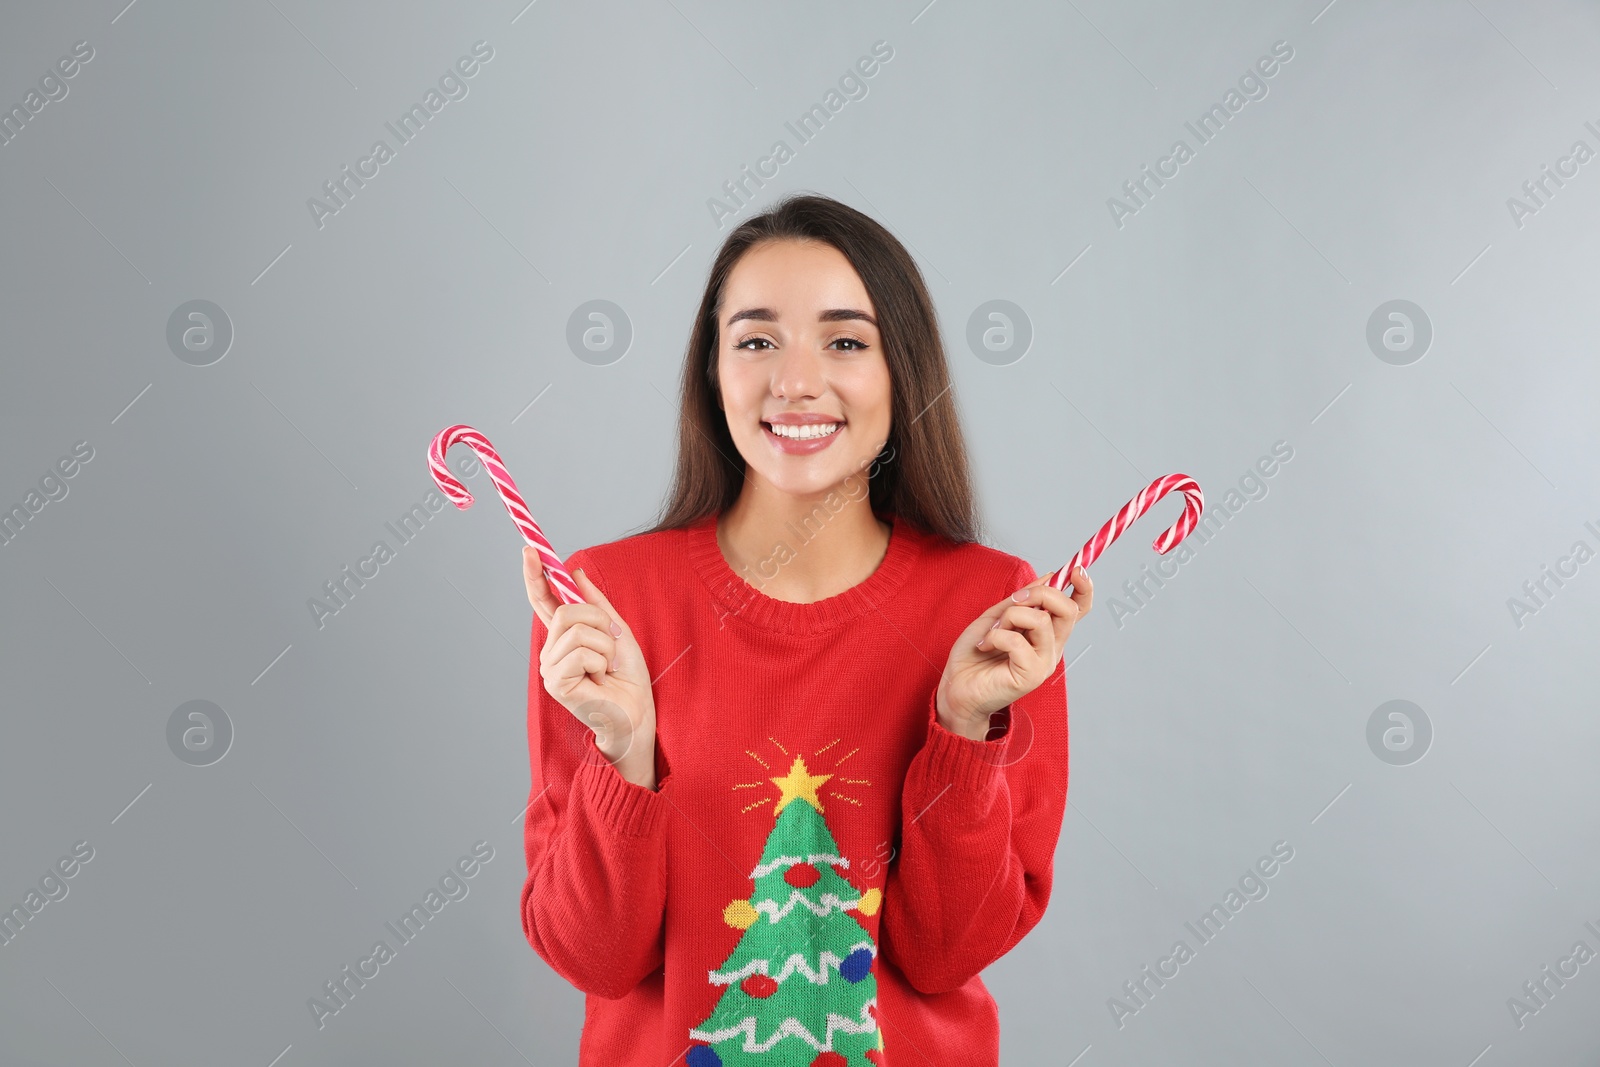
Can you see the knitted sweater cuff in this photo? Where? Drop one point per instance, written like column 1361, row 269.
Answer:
column 968, row 764
column 629, row 810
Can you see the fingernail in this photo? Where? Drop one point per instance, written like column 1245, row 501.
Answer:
column 1020, row 595
column 613, row 663
column 616, row 631
column 992, row 625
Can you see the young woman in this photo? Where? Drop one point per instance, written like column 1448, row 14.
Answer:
column 799, row 763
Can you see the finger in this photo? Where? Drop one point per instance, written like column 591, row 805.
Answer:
column 1020, row 650
column 593, row 594
column 579, row 635
column 1082, row 591
column 1006, row 620
column 585, row 613
column 590, row 663
column 574, row 668
column 1036, row 625
column 987, row 620
column 1038, row 593
column 540, row 595
column 991, row 615
column 1048, row 598
column 977, row 634
column 1064, row 612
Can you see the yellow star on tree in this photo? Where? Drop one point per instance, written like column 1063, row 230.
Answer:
column 799, row 784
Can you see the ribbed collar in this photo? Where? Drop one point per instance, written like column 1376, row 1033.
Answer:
column 739, row 599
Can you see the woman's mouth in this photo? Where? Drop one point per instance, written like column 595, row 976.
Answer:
column 801, row 438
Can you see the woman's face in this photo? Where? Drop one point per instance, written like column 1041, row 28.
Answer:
column 798, row 348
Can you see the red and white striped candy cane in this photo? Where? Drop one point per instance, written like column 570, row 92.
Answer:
column 1193, row 504
column 554, row 571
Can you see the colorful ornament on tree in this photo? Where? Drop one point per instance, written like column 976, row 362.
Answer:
column 739, row 915
column 799, row 986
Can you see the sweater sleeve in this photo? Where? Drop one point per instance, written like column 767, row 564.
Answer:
column 979, row 825
column 594, row 898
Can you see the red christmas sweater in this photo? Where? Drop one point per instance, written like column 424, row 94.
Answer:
column 823, row 869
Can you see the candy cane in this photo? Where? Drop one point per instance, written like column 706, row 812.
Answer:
column 554, row 571
column 1193, row 504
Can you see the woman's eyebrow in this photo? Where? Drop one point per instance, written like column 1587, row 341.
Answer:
column 830, row 315
column 841, row 314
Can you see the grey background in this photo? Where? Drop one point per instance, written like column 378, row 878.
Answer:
column 1229, row 313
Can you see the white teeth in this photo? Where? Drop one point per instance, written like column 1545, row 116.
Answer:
column 805, row 432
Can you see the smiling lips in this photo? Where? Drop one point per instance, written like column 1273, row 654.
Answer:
column 801, row 434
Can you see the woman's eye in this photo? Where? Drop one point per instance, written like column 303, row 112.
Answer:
column 859, row 345
column 751, row 340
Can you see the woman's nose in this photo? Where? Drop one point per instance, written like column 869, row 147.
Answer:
column 797, row 374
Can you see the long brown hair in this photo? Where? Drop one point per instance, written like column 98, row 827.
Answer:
column 922, row 475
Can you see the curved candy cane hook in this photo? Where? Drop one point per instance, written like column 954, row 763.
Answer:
column 554, row 571
column 1193, row 504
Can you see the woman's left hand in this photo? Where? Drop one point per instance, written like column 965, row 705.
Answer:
column 1008, row 652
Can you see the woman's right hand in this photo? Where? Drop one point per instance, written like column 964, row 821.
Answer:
column 594, row 668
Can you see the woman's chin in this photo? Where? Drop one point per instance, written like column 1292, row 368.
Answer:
column 809, row 483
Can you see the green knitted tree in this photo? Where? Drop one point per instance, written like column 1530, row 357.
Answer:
column 800, row 987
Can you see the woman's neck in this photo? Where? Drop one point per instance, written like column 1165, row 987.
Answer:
column 798, row 549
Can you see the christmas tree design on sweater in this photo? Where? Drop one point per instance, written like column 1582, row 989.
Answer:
column 800, row 990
